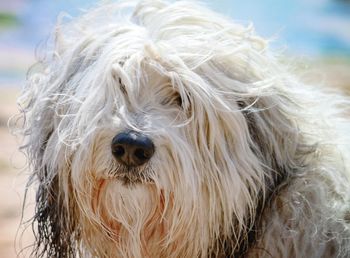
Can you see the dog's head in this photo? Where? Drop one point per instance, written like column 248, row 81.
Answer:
column 157, row 134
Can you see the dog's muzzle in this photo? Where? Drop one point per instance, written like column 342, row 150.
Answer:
column 132, row 148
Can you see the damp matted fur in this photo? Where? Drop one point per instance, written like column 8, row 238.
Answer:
column 249, row 161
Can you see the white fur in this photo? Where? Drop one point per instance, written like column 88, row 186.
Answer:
column 250, row 148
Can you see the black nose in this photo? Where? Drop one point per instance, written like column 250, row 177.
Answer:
column 132, row 148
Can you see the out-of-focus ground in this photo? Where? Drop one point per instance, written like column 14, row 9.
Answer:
column 331, row 72
column 12, row 180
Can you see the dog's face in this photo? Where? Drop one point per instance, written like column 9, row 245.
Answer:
column 148, row 139
column 164, row 153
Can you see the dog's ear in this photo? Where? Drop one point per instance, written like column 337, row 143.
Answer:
column 54, row 234
column 262, row 145
column 54, row 229
column 276, row 138
column 51, row 228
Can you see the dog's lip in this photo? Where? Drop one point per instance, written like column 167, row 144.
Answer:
column 129, row 174
column 129, row 177
column 126, row 180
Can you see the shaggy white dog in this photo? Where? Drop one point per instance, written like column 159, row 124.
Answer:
column 166, row 130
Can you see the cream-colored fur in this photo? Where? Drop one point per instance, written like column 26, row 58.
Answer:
column 249, row 162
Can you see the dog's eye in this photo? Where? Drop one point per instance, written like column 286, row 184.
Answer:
column 175, row 99
column 178, row 100
column 122, row 87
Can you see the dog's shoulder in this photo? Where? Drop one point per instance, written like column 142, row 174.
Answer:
column 307, row 216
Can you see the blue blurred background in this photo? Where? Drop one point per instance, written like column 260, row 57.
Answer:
column 310, row 28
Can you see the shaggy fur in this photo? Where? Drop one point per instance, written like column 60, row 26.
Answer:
column 249, row 162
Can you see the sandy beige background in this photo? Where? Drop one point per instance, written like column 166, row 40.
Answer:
column 13, row 177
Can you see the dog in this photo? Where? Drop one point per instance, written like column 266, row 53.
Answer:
column 158, row 129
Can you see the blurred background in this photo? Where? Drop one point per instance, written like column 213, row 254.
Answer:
column 314, row 35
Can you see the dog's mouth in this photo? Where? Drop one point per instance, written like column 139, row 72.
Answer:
column 126, row 179
column 132, row 175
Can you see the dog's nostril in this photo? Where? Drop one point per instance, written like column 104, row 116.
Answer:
column 141, row 154
column 118, row 151
column 132, row 148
